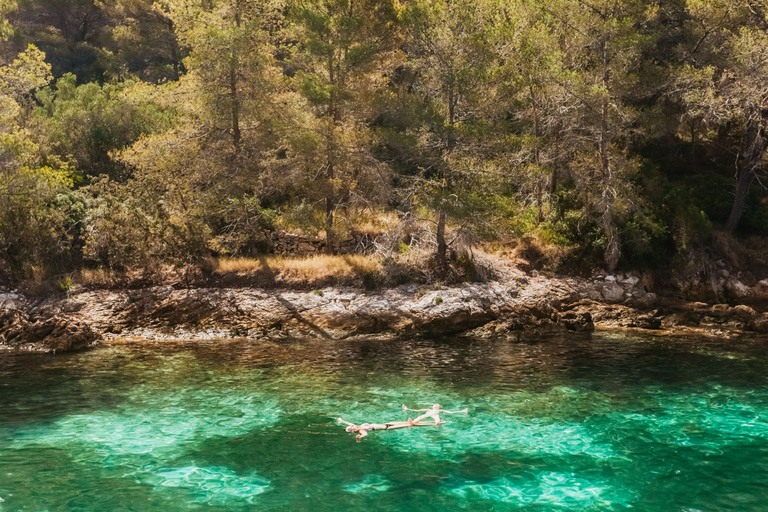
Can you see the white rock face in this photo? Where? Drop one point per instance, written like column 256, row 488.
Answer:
column 610, row 279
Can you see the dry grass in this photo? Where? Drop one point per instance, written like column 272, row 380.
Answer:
column 95, row 277
column 312, row 268
column 268, row 271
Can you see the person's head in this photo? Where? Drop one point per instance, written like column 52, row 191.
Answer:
column 436, row 407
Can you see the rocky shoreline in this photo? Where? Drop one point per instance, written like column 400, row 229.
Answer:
column 522, row 302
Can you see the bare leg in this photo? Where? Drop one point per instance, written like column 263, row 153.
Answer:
column 421, row 417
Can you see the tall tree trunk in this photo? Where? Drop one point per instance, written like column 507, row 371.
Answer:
column 178, row 66
column 539, row 189
column 555, row 168
column 330, row 242
column 235, row 106
column 330, row 239
column 605, row 166
column 442, row 246
column 613, row 248
column 756, row 144
column 233, row 88
column 693, row 145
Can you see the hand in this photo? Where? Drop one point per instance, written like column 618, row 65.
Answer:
column 404, row 407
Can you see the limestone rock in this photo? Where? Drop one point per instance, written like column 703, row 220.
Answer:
column 759, row 324
column 761, row 289
column 737, row 288
column 640, row 299
column 742, row 312
column 594, row 294
column 534, row 302
column 54, row 334
column 11, row 300
column 577, row 321
column 630, row 280
column 612, row 292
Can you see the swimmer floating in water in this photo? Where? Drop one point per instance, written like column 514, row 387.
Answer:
column 364, row 428
column 433, row 413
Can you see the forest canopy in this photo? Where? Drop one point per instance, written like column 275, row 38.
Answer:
column 135, row 133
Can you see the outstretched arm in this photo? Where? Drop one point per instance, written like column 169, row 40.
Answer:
column 454, row 412
column 415, row 410
column 348, row 423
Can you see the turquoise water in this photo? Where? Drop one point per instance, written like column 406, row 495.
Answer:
column 581, row 422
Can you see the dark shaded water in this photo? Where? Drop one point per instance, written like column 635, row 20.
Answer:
column 568, row 423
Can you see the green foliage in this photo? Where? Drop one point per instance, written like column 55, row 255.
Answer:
column 65, row 285
column 138, row 226
column 27, row 72
column 623, row 134
column 6, row 7
column 242, row 223
column 438, row 300
column 37, row 220
column 98, row 41
column 345, row 47
column 87, row 123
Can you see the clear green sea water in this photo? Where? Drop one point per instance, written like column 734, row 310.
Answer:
column 581, row 422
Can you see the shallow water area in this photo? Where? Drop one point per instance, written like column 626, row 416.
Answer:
column 569, row 422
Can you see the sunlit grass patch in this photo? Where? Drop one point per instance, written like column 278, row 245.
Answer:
column 96, row 276
column 303, row 269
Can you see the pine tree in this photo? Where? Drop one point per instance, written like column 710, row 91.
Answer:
column 345, row 49
column 453, row 51
column 724, row 81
